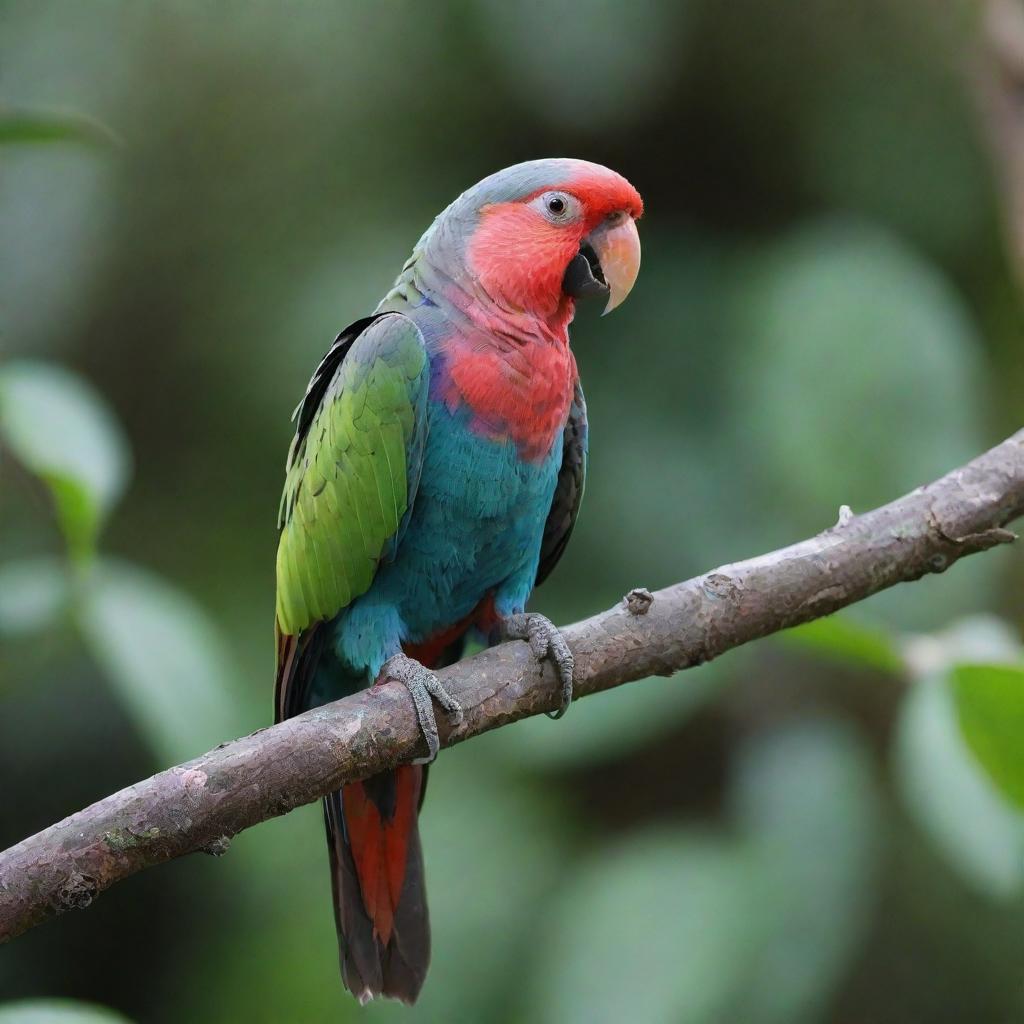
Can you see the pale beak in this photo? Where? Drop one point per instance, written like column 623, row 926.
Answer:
column 617, row 247
column 607, row 263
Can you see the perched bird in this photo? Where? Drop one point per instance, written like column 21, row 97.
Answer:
column 433, row 481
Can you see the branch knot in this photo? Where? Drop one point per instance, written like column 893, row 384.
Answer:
column 639, row 601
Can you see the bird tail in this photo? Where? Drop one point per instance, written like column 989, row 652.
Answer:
column 380, row 901
column 377, row 878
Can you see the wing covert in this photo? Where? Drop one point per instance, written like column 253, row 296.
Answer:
column 353, row 469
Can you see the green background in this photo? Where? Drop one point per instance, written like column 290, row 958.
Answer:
column 821, row 827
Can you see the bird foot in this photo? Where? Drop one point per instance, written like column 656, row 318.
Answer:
column 546, row 641
column 422, row 684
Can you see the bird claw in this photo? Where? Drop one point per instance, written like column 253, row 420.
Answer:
column 422, row 684
column 546, row 641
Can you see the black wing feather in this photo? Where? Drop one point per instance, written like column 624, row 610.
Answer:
column 565, row 506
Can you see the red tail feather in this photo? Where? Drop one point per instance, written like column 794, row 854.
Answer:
column 380, row 905
column 380, row 845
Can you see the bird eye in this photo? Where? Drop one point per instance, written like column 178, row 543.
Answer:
column 558, row 207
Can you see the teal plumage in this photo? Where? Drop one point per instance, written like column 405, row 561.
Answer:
column 435, row 475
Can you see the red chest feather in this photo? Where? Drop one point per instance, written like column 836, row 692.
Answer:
column 519, row 391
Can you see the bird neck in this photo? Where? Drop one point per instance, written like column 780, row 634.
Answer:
column 509, row 370
column 436, row 274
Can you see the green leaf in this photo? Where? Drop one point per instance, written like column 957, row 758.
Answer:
column 990, row 705
column 57, row 1011
column 164, row 657
column 844, row 639
column 62, row 431
column 26, row 128
column 951, row 798
column 34, row 595
column 840, row 312
column 805, row 798
column 859, row 379
column 661, row 930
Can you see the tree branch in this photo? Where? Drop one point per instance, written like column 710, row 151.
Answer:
column 200, row 805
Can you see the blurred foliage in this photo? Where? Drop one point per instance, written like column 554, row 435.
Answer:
column 990, row 707
column 34, row 594
column 948, row 794
column 61, row 431
column 165, row 659
column 57, row 1011
column 826, row 827
column 955, row 796
column 21, row 128
column 847, row 639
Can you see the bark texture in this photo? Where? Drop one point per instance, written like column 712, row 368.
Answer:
column 200, row 805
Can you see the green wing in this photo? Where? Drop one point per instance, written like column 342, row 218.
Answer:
column 352, row 471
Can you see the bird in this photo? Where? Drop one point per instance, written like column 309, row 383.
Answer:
column 434, row 479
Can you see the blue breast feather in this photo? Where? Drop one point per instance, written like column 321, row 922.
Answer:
column 476, row 526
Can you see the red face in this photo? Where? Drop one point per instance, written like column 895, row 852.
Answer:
column 522, row 250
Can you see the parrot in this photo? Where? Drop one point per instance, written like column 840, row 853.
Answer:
column 434, row 479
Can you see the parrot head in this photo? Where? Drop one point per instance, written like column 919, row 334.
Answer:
column 535, row 237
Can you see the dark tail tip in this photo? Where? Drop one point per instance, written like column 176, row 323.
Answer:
column 370, row 968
